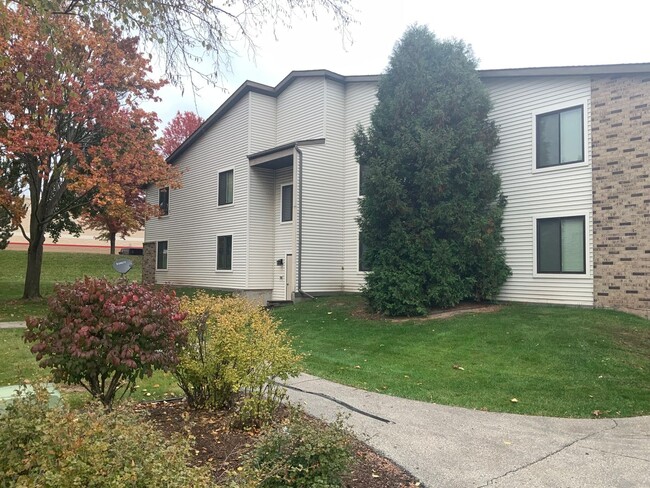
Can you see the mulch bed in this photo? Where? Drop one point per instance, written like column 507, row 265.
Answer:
column 222, row 447
column 362, row 312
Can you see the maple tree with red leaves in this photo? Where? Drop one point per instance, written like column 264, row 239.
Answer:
column 121, row 219
column 72, row 134
column 179, row 128
column 183, row 34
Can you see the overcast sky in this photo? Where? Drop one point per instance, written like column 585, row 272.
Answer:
column 502, row 33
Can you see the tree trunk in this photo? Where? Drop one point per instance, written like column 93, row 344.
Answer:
column 112, row 240
column 32, row 289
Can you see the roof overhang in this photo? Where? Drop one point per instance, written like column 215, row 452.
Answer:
column 253, row 87
column 588, row 70
column 279, row 156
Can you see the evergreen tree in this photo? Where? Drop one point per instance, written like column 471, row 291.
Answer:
column 431, row 217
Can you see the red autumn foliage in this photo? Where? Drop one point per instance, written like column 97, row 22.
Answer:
column 72, row 132
column 121, row 219
column 179, row 128
column 104, row 335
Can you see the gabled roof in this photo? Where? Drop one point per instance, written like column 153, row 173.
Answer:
column 251, row 86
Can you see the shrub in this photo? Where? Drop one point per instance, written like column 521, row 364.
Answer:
column 233, row 347
column 303, row 453
column 104, row 335
column 56, row 447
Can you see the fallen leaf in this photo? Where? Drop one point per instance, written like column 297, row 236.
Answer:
column 596, row 413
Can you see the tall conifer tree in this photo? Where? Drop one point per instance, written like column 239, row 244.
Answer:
column 431, row 216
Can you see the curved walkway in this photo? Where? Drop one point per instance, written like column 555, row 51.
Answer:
column 457, row 447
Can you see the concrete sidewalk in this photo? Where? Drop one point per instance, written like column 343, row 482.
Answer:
column 12, row 325
column 456, row 447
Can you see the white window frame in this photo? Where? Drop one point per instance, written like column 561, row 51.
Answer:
column 293, row 199
column 167, row 268
column 585, row 136
column 232, row 252
column 565, row 276
column 226, row 205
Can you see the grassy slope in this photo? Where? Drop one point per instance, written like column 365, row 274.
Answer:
column 556, row 361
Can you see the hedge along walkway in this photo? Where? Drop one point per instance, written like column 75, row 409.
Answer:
column 458, row 447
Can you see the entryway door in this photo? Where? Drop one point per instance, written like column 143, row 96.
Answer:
column 290, row 273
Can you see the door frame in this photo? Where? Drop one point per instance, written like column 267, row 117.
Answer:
column 288, row 272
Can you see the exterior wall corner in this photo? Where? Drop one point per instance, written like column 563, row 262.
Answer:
column 149, row 263
column 621, row 192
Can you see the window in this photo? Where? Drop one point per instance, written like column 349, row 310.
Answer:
column 363, row 261
column 560, row 137
column 161, row 255
column 226, row 180
column 163, row 200
column 561, row 245
column 224, row 253
column 287, row 203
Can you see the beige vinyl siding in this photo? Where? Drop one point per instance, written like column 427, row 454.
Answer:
column 284, row 233
column 300, row 111
column 261, row 191
column 322, row 241
column 560, row 191
column 195, row 220
column 262, row 123
column 360, row 99
column 261, row 229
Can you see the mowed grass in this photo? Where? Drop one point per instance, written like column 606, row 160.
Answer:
column 57, row 267
column 17, row 363
column 555, row 361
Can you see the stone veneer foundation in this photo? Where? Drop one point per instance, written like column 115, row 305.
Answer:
column 620, row 137
column 149, row 263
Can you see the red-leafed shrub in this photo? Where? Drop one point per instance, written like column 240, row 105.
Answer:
column 104, row 335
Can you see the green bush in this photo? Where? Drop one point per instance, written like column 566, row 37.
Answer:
column 41, row 447
column 303, row 453
column 432, row 213
column 104, row 335
column 233, row 348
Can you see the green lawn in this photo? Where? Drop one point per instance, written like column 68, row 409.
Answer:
column 18, row 364
column 57, row 267
column 556, row 361
column 16, row 361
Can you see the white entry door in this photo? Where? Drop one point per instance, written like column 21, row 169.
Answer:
column 290, row 273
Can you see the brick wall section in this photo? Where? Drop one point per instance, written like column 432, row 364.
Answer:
column 620, row 110
column 149, row 263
